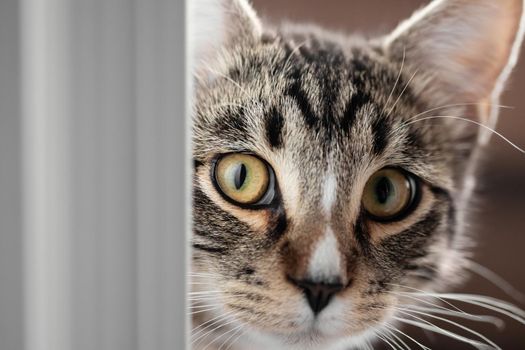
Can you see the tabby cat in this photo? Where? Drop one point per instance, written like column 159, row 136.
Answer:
column 333, row 173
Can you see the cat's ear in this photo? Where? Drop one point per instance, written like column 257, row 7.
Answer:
column 219, row 24
column 461, row 51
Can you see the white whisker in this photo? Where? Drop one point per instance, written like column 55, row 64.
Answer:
column 402, row 92
column 409, row 337
column 423, row 324
column 395, row 84
column 237, row 339
column 484, row 300
column 293, row 52
column 397, row 339
column 411, row 295
column 457, row 105
column 497, row 280
column 202, row 311
column 469, row 121
column 200, row 328
column 231, row 81
column 199, row 339
column 481, row 336
column 193, row 307
column 480, row 318
column 205, row 292
column 381, row 336
column 235, row 331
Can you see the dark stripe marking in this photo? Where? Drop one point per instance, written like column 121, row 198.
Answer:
column 197, row 163
column 358, row 100
column 362, row 236
column 274, row 128
column 380, row 132
column 278, row 224
column 296, row 92
column 209, row 249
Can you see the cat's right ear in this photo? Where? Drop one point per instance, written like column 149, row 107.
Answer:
column 219, row 24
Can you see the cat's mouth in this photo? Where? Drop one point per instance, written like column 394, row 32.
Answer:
column 329, row 326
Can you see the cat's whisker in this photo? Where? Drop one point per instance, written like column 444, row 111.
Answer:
column 469, row 330
column 243, row 90
column 423, row 301
column 216, row 321
column 468, row 298
column 218, row 337
column 402, row 92
column 463, row 297
column 204, row 300
column 204, row 297
column 480, row 318
column 510, row 314
column 438, row 309
column 241, row 334
column 396, row 82
column 495, row 279
column 423, row 324
column 203, row 311
column 194, row 307
column 205, row 292
column 233, row 331
column 293, row 52
column 211, row 302
column 397, row 339
column 486, row 127
column 452, row 105
column 202, row 326
column 383, row 338
column 411, row 295
column 406, row 335
column 199, row 339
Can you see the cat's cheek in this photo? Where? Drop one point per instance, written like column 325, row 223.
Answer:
column 257, row 220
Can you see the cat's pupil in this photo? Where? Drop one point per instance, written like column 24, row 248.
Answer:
column 240, row 176
column 383, row 190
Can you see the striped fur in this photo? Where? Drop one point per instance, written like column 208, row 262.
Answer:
column 318, row 105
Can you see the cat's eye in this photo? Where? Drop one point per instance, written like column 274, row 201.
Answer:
column 389, row 194
column 244, row 179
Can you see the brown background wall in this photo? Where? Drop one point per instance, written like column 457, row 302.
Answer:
column 500, row 212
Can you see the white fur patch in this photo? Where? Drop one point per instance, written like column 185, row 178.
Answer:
column 325, row 262
column 213, row 22
column 329, row 194
column 207, row 26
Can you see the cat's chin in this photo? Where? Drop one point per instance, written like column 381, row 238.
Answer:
column 314, row 337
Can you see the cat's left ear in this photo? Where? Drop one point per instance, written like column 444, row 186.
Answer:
column 461, row 51
column 215, row 25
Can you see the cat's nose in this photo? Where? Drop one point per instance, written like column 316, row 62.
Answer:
column 318, row 294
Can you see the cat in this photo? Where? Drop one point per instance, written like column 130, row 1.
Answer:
column 333, row 174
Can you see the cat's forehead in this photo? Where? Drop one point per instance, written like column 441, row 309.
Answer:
column 314, row 101
column 328, row 85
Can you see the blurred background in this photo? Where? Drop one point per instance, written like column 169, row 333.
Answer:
column 499, row 214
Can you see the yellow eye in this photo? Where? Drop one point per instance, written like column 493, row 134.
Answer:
column 388, row 194
column 243, row 178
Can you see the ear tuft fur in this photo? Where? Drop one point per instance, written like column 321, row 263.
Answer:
column 463, row 50
column 218, row 24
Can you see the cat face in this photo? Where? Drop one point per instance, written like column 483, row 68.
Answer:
column 331, row 173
